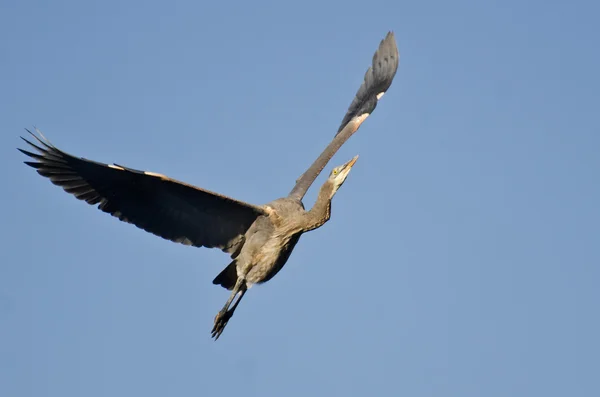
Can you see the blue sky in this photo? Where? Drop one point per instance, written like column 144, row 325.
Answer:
column 462, row 258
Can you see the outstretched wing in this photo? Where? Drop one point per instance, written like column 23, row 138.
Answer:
column 377, row 80
column 153, row 202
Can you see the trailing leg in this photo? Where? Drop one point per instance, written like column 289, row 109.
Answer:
column 222, row 318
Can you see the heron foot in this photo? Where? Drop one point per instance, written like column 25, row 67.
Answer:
column 221, row 320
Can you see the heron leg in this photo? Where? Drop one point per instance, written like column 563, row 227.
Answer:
column 222, row 318
column 237, row 302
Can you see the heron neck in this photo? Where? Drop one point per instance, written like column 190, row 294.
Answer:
column 321, row 210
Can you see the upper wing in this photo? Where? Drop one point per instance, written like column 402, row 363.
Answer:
column 160, row 205
column 377, row 80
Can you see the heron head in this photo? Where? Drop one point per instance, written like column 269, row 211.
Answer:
column 339, row 174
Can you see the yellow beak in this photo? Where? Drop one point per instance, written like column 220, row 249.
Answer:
column 351, row 162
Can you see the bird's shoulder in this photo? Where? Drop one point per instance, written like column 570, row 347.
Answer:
column 284, row 207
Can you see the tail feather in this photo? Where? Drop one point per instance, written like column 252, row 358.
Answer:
column 227, row 277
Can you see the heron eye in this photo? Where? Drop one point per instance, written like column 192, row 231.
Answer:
column 335, row 171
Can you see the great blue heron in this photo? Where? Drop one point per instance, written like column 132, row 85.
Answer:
column 260, row 239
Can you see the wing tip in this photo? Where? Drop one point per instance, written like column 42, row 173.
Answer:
column 377, row 80
column 40, row 137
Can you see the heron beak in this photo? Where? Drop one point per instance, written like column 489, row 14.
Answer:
column 347, row 167
column 350, row 163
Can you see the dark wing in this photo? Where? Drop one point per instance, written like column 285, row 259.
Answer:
column 377, row 80
column 160, row 205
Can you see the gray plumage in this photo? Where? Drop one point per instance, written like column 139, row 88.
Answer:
column 259, row 239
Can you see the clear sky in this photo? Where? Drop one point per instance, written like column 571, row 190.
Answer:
column 463, row 254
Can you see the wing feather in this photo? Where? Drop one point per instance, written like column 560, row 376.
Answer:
column 376, row 82
column 158, row 204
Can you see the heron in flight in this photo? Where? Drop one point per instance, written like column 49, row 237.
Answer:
column 259, row 238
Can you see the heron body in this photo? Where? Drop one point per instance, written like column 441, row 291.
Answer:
column 259, row 239
column 272, row 237
column 271, row 240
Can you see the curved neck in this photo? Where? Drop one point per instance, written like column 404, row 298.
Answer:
column 321, row 211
